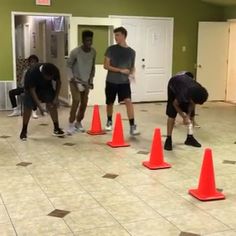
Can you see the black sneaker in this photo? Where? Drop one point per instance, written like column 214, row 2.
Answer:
column 58, row 132
column 23, row 136
column 168, row 144
column 191, row 141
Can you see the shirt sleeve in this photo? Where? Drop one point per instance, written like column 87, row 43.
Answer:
column 108, row 52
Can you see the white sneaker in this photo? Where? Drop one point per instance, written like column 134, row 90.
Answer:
column 79, row 127
column 71, row 129
column 108, row 126
column 34, row 115
column 15, row 112
column 134, row 130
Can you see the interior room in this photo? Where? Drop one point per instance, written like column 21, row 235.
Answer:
column 123, row 179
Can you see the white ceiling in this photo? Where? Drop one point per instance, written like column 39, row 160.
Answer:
column 221, row 2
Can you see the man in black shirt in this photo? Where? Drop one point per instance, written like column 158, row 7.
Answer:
column 39, row 88
column 183, row 94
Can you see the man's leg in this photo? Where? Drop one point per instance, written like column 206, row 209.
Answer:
column 54, row 116
column 110, row 92
column 28, row 104
column 170, row 127
column 82, row 109
column 130, row 113
column 12, row 95
column 190, row 140
column 74, row 107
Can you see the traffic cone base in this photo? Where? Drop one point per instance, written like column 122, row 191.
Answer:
column 216, row 196
column 102, row 132
column 115, row 145
column 163, row 165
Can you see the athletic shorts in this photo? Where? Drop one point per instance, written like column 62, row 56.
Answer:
column 45, row 96
column 170, row 109
column 122, row 90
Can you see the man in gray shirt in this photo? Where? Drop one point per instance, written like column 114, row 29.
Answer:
column 119, row 62
column 81, row 64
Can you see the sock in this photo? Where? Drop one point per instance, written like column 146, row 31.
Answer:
column 168, row 137
column 56, row 125
column 131, row 122
column 109, row 118
column 24, row 128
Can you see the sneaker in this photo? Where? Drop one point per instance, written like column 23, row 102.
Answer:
column 168, row 144
column 15, row 112
column 23, row 136
column 191, row 141
column 108, row 126
column 34, row 115
column 79, row 127
column 58, row 132
column 71, row 129
column 134, row 130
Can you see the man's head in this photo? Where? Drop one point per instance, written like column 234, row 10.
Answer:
column 87, row 39
column 50, row 71
column 120, row 35
column 198, row 94
column 32, row 60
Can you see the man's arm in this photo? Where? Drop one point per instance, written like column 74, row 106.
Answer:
column 92, row 74
column 107, row 66
column 180, row 112
column 70, row 62
column 36, row 99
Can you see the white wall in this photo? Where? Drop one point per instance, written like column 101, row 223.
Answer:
column 231, row 81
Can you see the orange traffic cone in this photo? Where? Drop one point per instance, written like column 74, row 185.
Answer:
column 206, row 188
column 96, row 127
column 118, row 137
column 156, row 158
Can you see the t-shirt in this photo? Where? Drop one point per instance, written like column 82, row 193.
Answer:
column 82, row 64
column 180, row 86
column 120, row 57
column 34, row 79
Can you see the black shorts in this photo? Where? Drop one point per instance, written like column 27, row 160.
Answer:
column 45, row 96
column 170, row 109
column 111, row 90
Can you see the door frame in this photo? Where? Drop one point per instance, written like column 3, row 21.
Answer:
column 13, row 14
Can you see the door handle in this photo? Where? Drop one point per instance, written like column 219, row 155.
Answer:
column 199, row 66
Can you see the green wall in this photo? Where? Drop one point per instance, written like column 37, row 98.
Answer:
column 230, row 12
column 186, row 15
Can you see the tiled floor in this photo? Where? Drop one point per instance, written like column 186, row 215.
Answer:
column 47, row 173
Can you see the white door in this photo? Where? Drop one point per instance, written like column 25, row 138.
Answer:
column 96, row 96
column 231, row 80
column 152, row 39
column 212, row 58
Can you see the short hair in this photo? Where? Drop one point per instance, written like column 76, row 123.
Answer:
column 50, row 69
column 198, row 94
column 33, row 57
column 189, row 74
column 122, row 30
column 87, row 34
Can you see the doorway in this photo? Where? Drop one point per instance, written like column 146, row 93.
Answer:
column 45, row 35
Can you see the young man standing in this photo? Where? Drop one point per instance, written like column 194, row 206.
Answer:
column 39, row 88
column 120, row 64
column 32, row 60
column 81, row 64
column 183, row 93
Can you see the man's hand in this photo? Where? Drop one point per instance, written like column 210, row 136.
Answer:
column 91, row 86
column 55, row 101
column 186, row 119
column 125, row 71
